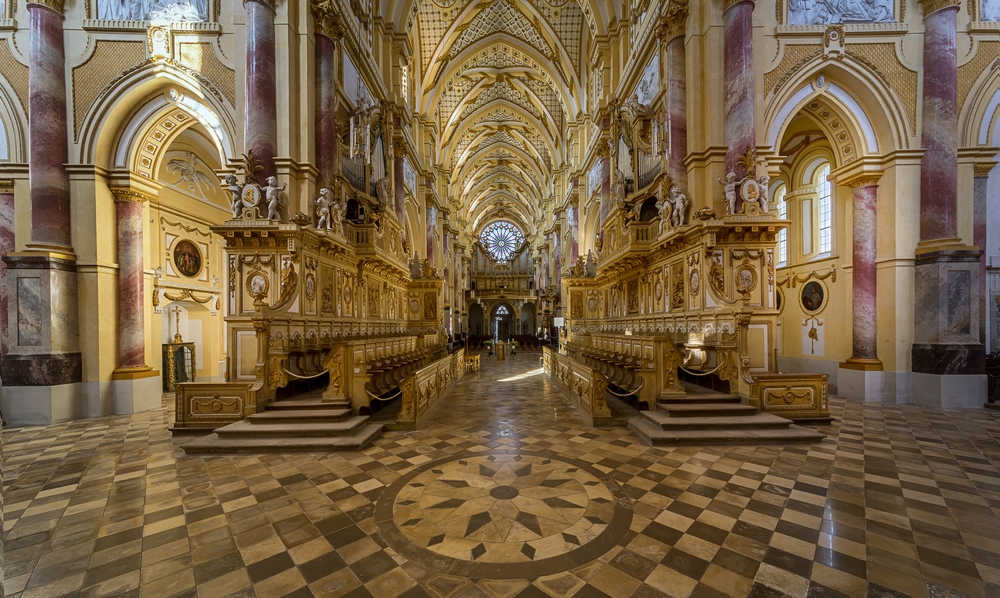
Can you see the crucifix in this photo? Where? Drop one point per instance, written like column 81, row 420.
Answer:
column 177, row 325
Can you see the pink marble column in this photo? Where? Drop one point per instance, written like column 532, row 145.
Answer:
column 398, row 170
column 6, row 246
column 981, row 174
column 47, row 130
column 676, row 105
column 131, row 324
column 261, row 125
column 573, row 219
column 864, row 194
column 739, row 78
column 326, row 107
column 939, row 165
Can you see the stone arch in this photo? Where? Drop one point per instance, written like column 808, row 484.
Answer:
column 13, row 126
column 129, row 106
column 872, row 114
column 980, row 116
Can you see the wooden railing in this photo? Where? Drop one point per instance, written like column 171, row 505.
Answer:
column 424, row 387
column 584, row 385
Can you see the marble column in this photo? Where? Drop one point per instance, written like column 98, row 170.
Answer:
column 6, row 246
column 864, row 192
column 948, row 356
column 676, row 106
column 47, row 129
column 326, row 107
column 261, row 124
column 131, row 322
column 739, row 81
column 981, row 173
column 939, row 165
column 573, row 220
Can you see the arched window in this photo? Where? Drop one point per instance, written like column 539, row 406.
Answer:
column 501, row 240
column 825, row 211
column 502, row 310
column 782, row 209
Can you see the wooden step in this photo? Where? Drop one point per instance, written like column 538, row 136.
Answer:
column 698, row 399
column 305, row 416
column 758, row 421
column 709, row 410
column 292, row 430
column 213, row 443
column 653, row 435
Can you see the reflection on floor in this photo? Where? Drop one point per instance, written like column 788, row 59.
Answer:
column 506, row 492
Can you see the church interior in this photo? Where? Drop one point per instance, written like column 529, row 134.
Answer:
column 500, row 298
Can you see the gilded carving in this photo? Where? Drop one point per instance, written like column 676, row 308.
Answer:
column 986, row 53
column 795, row 56
column 932, row 6
column 15, row 73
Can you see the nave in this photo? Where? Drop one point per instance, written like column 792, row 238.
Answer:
column 506, row 490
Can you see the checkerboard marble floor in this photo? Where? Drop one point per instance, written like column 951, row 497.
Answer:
column 505, row 491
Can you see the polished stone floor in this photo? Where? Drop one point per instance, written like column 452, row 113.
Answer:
column 505, row 492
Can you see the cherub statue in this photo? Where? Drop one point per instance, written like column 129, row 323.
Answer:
column 338, row 209
column 730, row 186
column 382, row 191
column 663, row 206
column 273, row 202
column 618, row 189
column 323, row 203
column 763, row 181
column 679, row 203
column 236, row 189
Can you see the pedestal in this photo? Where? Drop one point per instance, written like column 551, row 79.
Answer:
column 854, row 381
column 136, row 390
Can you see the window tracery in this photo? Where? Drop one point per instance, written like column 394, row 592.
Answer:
column 501, row 240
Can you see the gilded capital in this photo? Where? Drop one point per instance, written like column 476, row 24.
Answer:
column 56, row 5
column 267, row 3
column 864, row 180
column 327, row 19
column 129, row 195
column 672, row 24
column 6, row 186
column 979, row 169
column 732, row 3
column 932, row 6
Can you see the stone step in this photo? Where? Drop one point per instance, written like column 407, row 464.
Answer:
column 292, row 430
column 300, row 416
column 306, row 404
column 651, row 434
column 709, row 410
column 758, row 421
column 213, row 443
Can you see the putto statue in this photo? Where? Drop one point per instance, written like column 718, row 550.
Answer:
column 323, row 209
column 234, row 187
column 273, row 201
column 663, row 206
column 764, row 181
column 382, row 192
column 679, row 204
column 618, row 189
column 730, row 187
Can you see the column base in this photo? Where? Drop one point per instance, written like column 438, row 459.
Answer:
column 41, row 405
column 949, row 392
column 860, row 383
column 134, row 392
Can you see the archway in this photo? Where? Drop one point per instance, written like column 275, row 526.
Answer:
column 476, row 325
column 528, row 313
column 502, row 322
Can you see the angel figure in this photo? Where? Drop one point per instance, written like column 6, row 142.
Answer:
column 273, row 202
column 730, row 186
column 187, row 169
column 338, row 209
column 382, row 191
column 663, row 206
column 763, row 181
column 234, row 187
column 618, row 189
column 680, row 204
column 323, row 209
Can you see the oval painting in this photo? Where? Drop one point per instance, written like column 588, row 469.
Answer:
column 813, row 297
column 187, row 258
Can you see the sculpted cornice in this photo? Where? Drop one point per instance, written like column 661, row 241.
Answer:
column 932, row 6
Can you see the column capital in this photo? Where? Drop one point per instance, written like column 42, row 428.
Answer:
column 6, row 186
column 672, row 22
column 267, row 3
column 327, row 19
column 932, row 6
column 129, row 195
column 731, row 3
column 980, row 169
column 56, row 5
column 869, row 179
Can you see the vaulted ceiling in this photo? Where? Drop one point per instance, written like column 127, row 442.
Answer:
column 501, row 80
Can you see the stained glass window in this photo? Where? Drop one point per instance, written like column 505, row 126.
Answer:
column 501, row 240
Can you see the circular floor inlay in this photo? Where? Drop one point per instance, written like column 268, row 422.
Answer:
column 493, row 515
